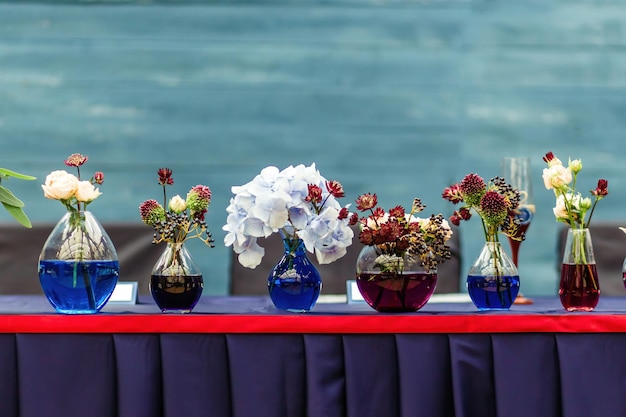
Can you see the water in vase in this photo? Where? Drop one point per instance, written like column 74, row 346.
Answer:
column 78, row 287
column 492, row 292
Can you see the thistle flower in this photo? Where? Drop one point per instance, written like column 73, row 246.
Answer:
column 199, row 198
column 183, row 219
column 493, row 208
column 492, row 201
column 151, row 212
column 472, row 187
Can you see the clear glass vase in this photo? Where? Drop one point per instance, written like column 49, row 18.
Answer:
column 78, row 265
column 493, row 280
column 294, row 284
column 404, row 286
column 579, row 287
column 176, row 281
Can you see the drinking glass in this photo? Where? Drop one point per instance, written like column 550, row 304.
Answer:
column 517, row 172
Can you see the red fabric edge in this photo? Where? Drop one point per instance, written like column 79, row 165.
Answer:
column 143, row 323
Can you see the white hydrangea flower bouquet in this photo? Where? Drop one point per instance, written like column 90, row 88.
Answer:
column 296, row 202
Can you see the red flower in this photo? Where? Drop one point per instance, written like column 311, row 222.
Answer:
column 602, row 189
column 343, row 213
column 335, row 189
column 366, row 202
column 354, row 219
column 165, row 176
column 76, row 160
column 548, row 157
column 315, row 194
column 397, row 211
column 465, row 213
column 453, row 194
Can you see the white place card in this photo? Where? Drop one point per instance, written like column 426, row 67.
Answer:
column 354, row 295
column 124, row 293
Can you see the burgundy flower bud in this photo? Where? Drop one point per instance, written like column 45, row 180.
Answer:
column 98, row 177
column 602, row 189
column 165, row 176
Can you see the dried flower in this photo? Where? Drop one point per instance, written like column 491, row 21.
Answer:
column 397, row 234
column 493, row 202
column 184, row 218
column 76, row 160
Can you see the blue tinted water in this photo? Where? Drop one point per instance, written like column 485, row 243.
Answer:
column 490, row 293
column 78, row 287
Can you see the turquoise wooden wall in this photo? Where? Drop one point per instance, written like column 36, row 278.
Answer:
column 400, row 98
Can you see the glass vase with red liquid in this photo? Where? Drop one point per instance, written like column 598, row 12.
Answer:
column 579, row 287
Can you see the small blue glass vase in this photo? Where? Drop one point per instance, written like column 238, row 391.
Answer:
column 493, row 280
column 294, row 283
column 78, row 265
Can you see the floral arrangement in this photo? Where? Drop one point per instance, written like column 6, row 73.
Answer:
column 298, row 203
column 571, row 207
column 183, row 219
column 75, row 194
column 494, row 202
column 11, row 203
column 397, row 234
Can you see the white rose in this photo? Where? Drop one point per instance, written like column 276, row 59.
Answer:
column 556, row 176
column 60, row 185
column 86, row 192
column 560, row 211
column 177, row 204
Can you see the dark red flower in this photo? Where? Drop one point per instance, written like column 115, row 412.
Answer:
column 335, row 189
column 453, row 194
column 315, row 194
column 165, row 176
column 366, row 202
column 343, row 213
column 602, row 189
column 354, row 219
column 548, row 157
column 397, row 211
column 465, row 213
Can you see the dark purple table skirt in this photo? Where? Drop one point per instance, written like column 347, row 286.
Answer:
column 287, row 375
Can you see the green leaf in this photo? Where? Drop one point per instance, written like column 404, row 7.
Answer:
column 7, row 197
column 18, row 214
column 8, row 173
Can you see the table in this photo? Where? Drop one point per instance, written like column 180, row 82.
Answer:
column 238, row 356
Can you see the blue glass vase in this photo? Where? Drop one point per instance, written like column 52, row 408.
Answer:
column 78, row 265
column 493, row 280
column 294, row 283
